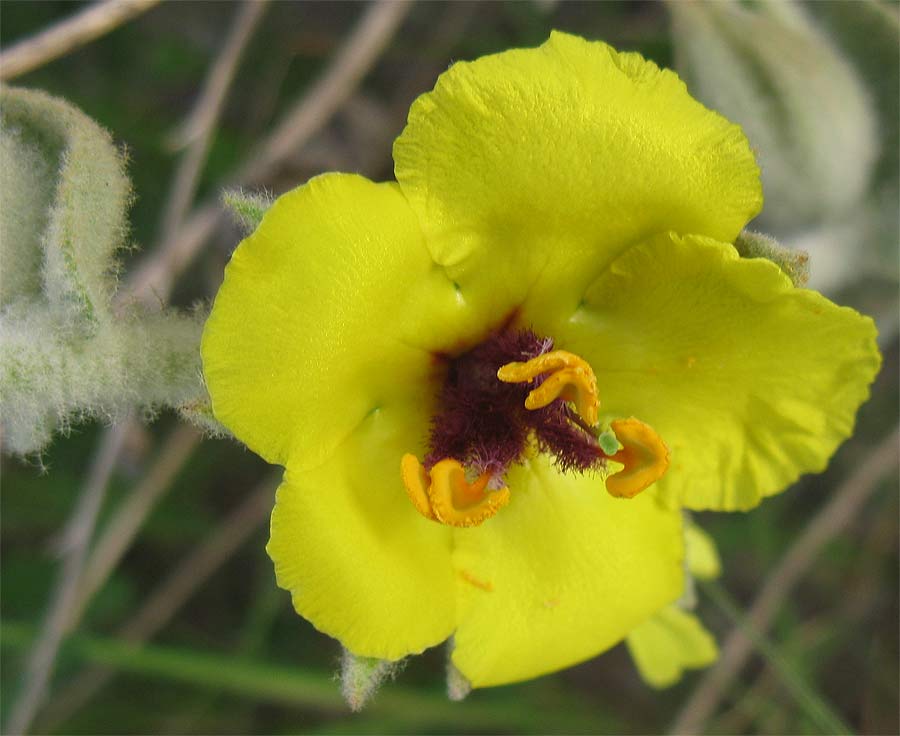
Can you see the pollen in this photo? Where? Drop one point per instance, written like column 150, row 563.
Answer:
column 568, row 377
column 485, row 585
column 444, row 495
column 644, row 455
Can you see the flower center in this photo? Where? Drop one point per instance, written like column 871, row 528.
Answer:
column 506, row 398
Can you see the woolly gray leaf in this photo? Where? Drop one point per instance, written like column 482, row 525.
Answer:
column 84, row 221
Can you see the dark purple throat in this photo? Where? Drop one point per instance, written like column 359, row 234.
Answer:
column 483, row 423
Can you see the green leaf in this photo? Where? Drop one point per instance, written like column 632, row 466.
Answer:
column 66, row 355
column 50, row 377
column 362, row 676
column 247, row 209
column 82, row 224
column 794, row 263
column 27, row 183
column 458, row 687
column 868, row 34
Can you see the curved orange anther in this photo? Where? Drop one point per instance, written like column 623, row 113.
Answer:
column 644, row 455
column 571, row 379
column 568, row 384
column 543, row 363
column 446, row 496
column 457, row 502
column 416, row 480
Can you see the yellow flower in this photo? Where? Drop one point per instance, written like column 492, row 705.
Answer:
column 570, row 194
column 673, row 639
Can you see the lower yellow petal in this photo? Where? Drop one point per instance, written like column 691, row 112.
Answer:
column 562, row 573
column 668, row 643
column 702, row 555
column 362, row 564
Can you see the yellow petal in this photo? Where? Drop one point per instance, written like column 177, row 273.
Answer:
column 327, row 312
column 531, row 169
column 702, row 555
column 750, row 380
column 562, row 573
column 360, row 561
column 666, row 644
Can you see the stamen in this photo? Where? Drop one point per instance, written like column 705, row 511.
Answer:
column 571, row 379
column 644, row 455
column 446, row 496
column 415, row 480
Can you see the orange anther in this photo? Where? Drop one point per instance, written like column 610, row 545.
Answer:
column 485, row 585
column 644, row 455
column 416, row 481
column 446, row 496
column 568, row 384
column 571, row 379
column 543, row 363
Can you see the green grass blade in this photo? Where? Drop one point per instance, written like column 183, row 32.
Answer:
column 293, row 686
column 814, row 705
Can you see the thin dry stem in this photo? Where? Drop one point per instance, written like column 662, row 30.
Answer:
column 197, row 132
column 80, row 584
column 170, row 595
column 352, row 62
column 128, row 518
column 862, row 598
column 846, row 502
column 58, row 40
column 42, row 658
column 152, row 281
column 154, row 277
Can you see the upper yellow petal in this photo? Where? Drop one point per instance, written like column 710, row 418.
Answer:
column 327, row 312
column 530, row 169
column 750, row 380
column 562, row 573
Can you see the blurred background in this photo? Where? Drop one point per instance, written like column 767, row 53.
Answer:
column 179, row 628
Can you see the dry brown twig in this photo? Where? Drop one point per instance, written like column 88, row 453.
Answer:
column 77, row 536
column 154, row 277
column 197, row 131
column 68, row 35
column 845, row 503
column 351, row 63
column 128, row 518
column 172, row 593
column 81, row 578
column 153, row 281
column 862, row 599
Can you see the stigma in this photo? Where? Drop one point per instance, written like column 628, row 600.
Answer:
column 503, row 400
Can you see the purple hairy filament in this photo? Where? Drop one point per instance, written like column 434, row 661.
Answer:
column 482, row 422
